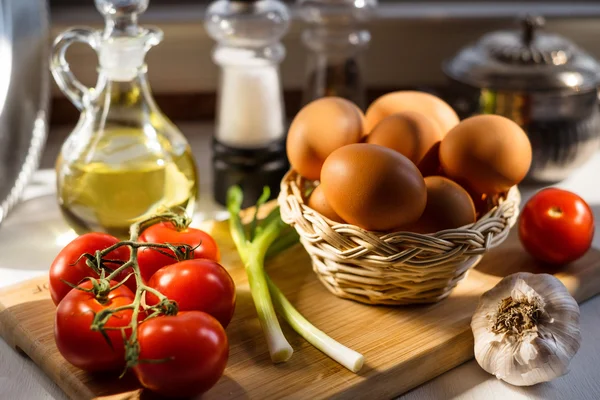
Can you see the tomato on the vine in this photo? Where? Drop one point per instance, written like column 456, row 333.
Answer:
column 193, row 348
column 151, row 260
column 65, row 266
column 199, row 284
column 87, row 349
column 556, row 226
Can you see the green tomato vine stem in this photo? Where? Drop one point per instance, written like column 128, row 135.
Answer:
column 101, row 287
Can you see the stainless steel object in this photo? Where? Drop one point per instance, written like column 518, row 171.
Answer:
column 24, row 94
column 543, row 82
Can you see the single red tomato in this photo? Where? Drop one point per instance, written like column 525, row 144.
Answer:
column 556, row 226
column 199, row 284
column 82, row 347
column 151, row 260
column 194, row 348
column 65, row 266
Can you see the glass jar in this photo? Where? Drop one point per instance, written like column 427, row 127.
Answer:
column 336, row 37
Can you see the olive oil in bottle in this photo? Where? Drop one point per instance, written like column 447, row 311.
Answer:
column 105, row 196
column 124, row 161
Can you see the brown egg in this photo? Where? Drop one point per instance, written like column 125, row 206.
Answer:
column 318, row 202
column 488, row 154
column 481, row 202
column 321, row 127
column 449, row 206
column 373, row 187
column 424, row 103
column 409, row 133
column 484, row 203
column 430, row 163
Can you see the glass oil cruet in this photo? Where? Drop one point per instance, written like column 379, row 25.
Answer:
column 124, row 159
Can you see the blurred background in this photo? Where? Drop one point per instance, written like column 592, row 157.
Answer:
column 410, row 40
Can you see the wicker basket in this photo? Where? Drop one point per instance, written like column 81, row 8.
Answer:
column 391, row 268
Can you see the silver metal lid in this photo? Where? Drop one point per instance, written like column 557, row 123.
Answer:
column 24, row 94
column 526, row 59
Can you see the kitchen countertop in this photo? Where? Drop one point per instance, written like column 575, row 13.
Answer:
column 21, row 379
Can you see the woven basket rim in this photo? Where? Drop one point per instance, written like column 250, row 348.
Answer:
column 391, row 268
column 513, row 196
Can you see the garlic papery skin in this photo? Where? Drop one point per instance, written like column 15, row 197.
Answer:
column 526, row 329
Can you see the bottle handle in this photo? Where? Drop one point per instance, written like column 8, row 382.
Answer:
column 79, row 94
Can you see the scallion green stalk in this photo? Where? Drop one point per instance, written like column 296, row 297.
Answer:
column 254, row 244
column 337, row 351
column 252, row 253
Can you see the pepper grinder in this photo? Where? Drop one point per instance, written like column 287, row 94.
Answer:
column 336, row 37
column 249, row 140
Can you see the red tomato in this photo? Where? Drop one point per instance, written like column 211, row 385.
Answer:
column 556, row 226
column 151, row 260
column 83, row 347
column 65, row 268
column 201, row 285
column 194, row 346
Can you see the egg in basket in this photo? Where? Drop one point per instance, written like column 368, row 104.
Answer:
column 396, row 205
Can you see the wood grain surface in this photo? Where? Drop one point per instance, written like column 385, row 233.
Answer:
column 403, row 346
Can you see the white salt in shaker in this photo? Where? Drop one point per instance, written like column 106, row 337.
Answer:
column 249, row 141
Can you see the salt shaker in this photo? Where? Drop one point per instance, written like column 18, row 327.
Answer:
column 336, row 37
column 249, row 139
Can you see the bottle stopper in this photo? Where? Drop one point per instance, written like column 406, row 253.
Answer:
column 124, row 43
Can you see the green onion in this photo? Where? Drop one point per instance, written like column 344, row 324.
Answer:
column 253, row 250
column 267, row 238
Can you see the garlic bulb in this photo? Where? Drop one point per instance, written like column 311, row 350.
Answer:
column 526, row 329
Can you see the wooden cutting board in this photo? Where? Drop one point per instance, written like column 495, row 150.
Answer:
column 403, row 346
